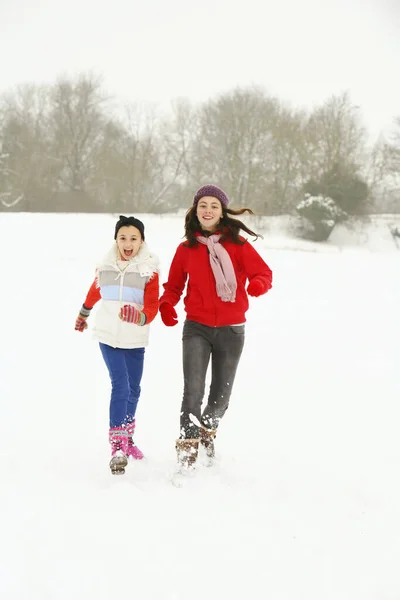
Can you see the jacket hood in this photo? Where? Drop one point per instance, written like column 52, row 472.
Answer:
column 145, row 262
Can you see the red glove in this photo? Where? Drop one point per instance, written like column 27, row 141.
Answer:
column 80, row 323
column 256, row 287
column 168, row 314
column 130, row 314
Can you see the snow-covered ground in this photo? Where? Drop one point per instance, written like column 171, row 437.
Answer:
column 304, row 501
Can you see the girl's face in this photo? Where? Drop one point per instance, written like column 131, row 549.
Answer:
column 209, row 213
column 129, row 241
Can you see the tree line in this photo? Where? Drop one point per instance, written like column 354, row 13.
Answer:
column 68, row 147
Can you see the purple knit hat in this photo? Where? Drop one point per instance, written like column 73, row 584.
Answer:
column 214, row 192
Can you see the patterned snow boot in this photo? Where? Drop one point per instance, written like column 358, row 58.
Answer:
column 207, row 437
column 187, row 451
column 118, row 439
column 133, row 451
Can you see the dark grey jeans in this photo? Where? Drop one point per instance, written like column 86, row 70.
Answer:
column 224, row 345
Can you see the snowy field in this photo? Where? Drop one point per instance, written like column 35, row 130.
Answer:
column 304, row 502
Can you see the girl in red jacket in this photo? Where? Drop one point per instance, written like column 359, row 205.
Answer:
column 216, row 263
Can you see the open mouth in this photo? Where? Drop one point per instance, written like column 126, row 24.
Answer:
column 128, row 252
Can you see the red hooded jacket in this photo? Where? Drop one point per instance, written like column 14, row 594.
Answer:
column 202, row 304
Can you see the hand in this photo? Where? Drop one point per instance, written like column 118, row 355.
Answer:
column 130, row 314
column 80, row 323
column 168, row 314
column 255, row 287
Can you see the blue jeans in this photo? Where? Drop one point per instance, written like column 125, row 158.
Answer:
column 125, row 367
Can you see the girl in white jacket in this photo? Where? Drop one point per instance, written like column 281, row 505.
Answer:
column 127, row 284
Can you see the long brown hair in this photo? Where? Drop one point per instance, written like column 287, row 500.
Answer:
column 230, row 227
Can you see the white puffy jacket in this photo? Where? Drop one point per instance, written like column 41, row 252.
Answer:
column 122, row 282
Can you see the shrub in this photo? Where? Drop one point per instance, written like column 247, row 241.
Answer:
column 323, row 213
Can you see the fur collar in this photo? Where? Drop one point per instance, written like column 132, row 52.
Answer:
column 145, row 262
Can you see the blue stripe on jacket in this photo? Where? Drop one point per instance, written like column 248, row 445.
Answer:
column 111, row 292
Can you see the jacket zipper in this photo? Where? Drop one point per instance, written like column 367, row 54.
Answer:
column 121, row 285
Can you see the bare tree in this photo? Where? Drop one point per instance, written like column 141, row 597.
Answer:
column 387, row 161
column 25, row 142
column 285, row 160
column 233, row 143
column 107, row 182
column 378, row 171
column 77, row 122
column 252, row 144
column 7, row 198
column 141, row 157
column 64, row 141
column 150, row 160
column 177, row 134
column 333, row 135
column 393, row 153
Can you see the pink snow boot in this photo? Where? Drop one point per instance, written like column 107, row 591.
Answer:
column 133, row 451
column 118, row 438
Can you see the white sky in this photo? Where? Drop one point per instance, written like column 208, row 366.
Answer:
column 157, row 50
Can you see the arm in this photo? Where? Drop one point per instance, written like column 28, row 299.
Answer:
column 92, row 297
column 257, row 271
column 176, row 279
column 151, row 291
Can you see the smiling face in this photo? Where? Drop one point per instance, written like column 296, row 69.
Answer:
column 129, row 241
column 209, row 213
